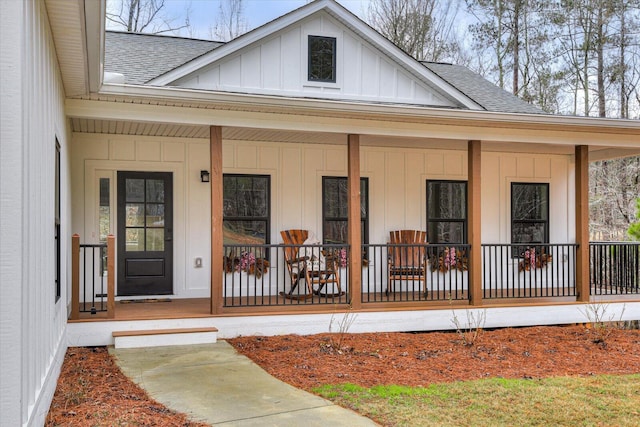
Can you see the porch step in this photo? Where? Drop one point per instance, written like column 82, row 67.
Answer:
column 163, row 337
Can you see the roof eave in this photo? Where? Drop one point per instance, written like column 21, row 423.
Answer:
column 260, row 102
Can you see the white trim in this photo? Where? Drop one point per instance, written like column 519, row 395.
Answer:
column 74, row 108
column 99, row 333
column 93, row 168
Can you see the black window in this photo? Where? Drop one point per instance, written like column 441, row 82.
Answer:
column 322, row 59
column 247, row 211
column 334, row 209
column 447, row 211
column 57, row 221
column 529, row 213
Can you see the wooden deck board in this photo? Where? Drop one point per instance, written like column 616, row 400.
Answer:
column 179, row 308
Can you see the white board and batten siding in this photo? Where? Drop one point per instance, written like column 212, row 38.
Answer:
column 33, row 320
column 397, row 187
column 278, row 65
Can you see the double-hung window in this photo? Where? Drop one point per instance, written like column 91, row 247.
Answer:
column 247, row 210
column 447, row 211
column 529, row 213
column 334, row 209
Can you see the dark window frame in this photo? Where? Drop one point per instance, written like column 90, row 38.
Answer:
column 266, row 218
column 57, row 221
column 517, row 251
column 464, row 221
column 310, row 56
column 364, row 219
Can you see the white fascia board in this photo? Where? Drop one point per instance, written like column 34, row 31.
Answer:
column 93, row 29
column 348, row 19
column 239, row 43
column 348, row 118
column 260, row 102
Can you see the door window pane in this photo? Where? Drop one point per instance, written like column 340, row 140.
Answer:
column 155, row 215
column 155, row 190
column 135, row 239
column 155, row 239
column 134, row 215
column 134, row 190
column 104, row 210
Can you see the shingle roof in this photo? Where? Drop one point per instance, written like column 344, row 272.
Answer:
column 142, row 57
column 482, row 91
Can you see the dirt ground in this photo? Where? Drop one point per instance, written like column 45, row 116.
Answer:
column 91, row 384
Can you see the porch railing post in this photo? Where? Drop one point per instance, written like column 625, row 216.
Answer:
column 111, row 279
column 354, row 216
column 475, row 224
column 582, row 222
column 75, row 277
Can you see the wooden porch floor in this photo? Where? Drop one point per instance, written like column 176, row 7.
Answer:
column 152, row 309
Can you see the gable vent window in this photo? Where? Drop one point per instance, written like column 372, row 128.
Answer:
column 322, row 59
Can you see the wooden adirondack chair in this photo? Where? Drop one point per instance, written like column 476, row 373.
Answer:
column 304, row 263
column 409, row 262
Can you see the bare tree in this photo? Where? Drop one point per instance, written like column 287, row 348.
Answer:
column 425, row 29
column 614, row 188
column 143, row 16
column 230, row 22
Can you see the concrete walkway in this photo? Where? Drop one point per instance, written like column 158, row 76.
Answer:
column 215, row 384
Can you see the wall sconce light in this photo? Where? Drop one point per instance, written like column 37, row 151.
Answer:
column 204, row 176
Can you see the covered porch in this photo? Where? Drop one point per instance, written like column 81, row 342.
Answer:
column 397, row 155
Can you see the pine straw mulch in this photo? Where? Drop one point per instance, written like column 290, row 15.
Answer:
column 93, row 392
column 416, row 359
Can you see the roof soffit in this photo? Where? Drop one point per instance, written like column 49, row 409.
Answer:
column 77, row 31
column 343, row 16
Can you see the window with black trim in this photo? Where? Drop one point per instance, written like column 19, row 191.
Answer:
column 447, row 211
column 335, row 221
column 529, row 212
column 322, row 59
column 247, row 210
column 57, row 221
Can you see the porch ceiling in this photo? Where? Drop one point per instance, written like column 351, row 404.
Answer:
column 121, row 127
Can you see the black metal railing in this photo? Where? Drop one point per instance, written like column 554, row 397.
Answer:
column 529, row 270
column 284, row 275
column 415, row 272
column 93, row 283
column 614, row 268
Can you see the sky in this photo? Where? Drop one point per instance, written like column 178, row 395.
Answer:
column 202, row 13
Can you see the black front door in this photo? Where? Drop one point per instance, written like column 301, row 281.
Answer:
column 145, row 233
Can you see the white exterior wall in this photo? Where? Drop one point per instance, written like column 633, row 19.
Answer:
column 397, row 188
column 278, row 65
column 32, row 322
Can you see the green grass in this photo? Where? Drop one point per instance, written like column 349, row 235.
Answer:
column 594, row 401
